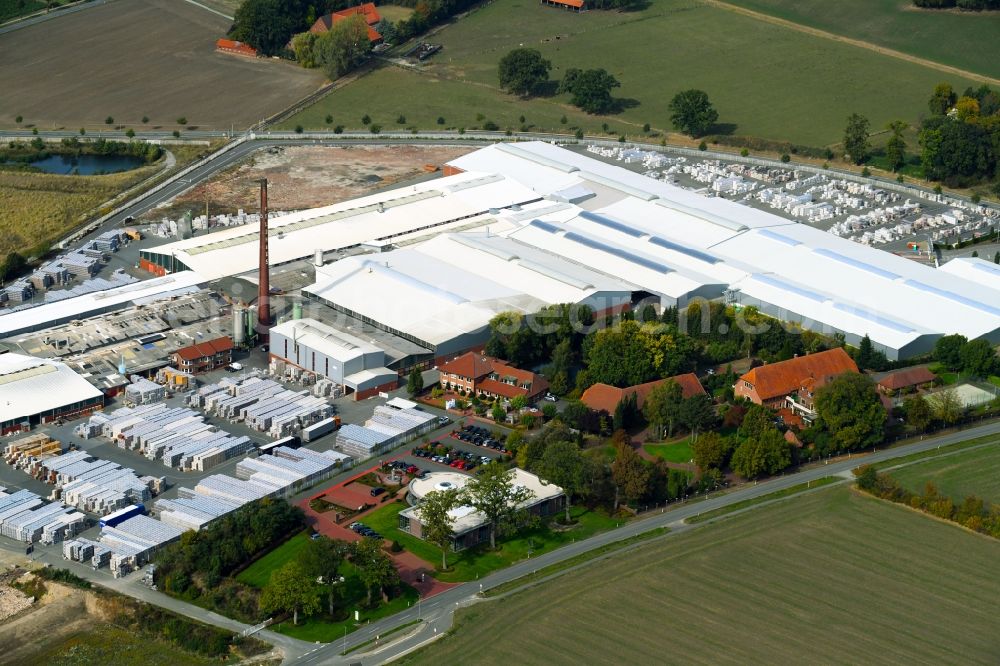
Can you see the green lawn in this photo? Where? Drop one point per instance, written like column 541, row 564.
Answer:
column 765, row 80
column 995, row 380
column 975, row 472
column 677, row 452
column 967, row 40
column 947, row 378
column 831, row 577
column 259, row 573
column 469, row 564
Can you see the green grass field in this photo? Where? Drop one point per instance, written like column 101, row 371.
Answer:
column 677, row 452
column 975, row 472
column 765, row 80
column 259, row 573
column 469, row 564
column 107, row 644
column 967, row 40
column 832, row 577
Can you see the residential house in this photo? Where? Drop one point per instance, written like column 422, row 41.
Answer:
column 367, row 10
column 204, row 356
column 605, row 398
column 491, row 377
column 906, row 380
column 793, row 383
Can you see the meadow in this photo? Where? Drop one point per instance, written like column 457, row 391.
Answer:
column 975, row 472
column 108, row 644
column 765, row 80
column 831, row 577
column 40, row 208
column 967, row 40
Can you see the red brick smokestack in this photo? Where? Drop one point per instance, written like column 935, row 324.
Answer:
column 264, row 288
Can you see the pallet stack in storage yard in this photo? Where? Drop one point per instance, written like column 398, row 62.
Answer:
column 386, row 429
column 262, row 404
column 134, row 541
column 38, row 445
column 91, row 484
column 26, row 518
column 178, row 437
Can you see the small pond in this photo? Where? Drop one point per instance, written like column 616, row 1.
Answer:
column 87, row 165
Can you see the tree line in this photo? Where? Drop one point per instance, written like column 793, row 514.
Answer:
column 972, row 513
column 967, row 5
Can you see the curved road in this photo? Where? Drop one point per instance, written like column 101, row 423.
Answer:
column 437, row 612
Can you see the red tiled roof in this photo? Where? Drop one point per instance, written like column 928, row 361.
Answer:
column 785, row 377
column 235, row 47
column 901, row 379
column 569, row 3
column 509, row 391
column 470, row 365
column 602, row 397
column 205, row 349
column 367, row 10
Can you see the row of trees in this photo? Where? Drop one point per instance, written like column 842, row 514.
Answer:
column 973, row 513
column 967, row 5
column 960, row 140
column 957, row 353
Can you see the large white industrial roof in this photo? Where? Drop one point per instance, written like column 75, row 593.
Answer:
column 445, row 203
column 316, row 335
column 79, row 307
column 454, row 284
column 30, row 385
column 976, row 270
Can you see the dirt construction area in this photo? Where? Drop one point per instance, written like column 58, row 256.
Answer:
column 130, row 59
column 310, row 176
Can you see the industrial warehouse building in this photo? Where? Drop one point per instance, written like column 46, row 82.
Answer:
column 520, row 226
column 35, row 391
column 357, row 366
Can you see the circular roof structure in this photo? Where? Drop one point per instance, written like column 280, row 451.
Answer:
column 436, row 482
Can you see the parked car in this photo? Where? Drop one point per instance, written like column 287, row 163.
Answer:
column 550, row 398
column 375, row 492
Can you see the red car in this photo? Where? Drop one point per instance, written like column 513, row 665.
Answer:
column 412, row 469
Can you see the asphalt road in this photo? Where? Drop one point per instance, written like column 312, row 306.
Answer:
column 437, row 612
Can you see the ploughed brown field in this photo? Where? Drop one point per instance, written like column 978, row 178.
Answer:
column 138, row 58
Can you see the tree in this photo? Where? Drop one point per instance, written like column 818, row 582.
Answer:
column 895, row 147
column 767, row 453
column 856, row 143
column 563, row 464
column 494, row 494
column 498, row 413
column 375, row 568
column 304, row 48
column 662, row 408
column 322, row 558
column 626, row 412
column 343, row 47
column 518, row 402
column 849, row 408
column 757, row 420
column 692, row 113
column 947, row 406
column 415, row 381
column 948, row 350
column 942, row 99
column 710, row 451
column 522, row 71
column 290, row 588
column 697, row 413
column 868, row 358
column 629, row 471
column 978, row 358
column 267, row 25
column 590, row 89
column 436, row 521
column 918, row 413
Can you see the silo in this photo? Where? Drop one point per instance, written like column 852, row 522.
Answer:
column 239, row 325
column 297, row 310
column 318, row 258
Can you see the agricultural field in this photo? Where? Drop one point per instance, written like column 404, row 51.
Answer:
column 966, row 40
column 80, row 69
column 831, row 577
column 766, row 80
column 107, row 644
column 37, row 208
column 975, row 472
